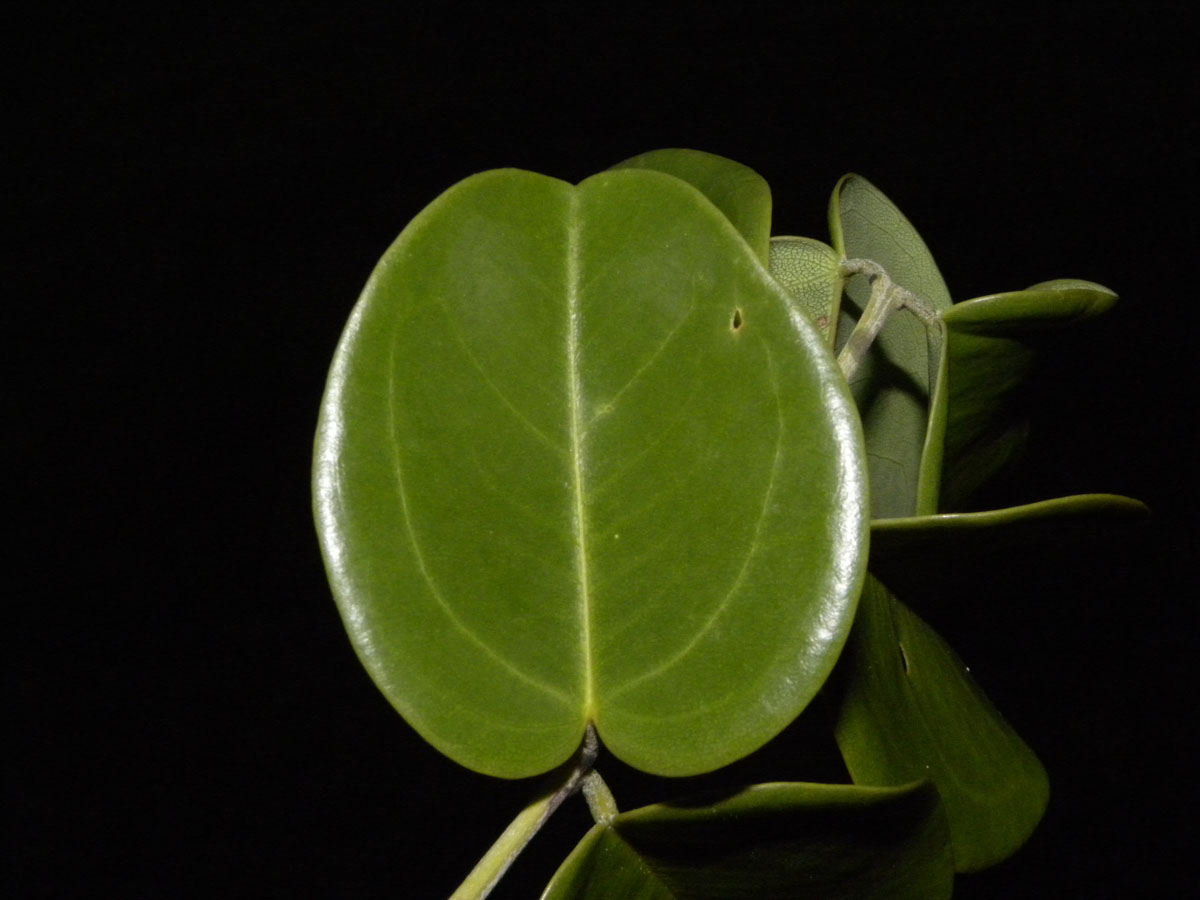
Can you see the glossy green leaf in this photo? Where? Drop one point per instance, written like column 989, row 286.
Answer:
column 579, row 459
column 910, row 709
column 989, row 354
column 808, row 270
column 803, row 841
column 737, row 190
column 892, row 388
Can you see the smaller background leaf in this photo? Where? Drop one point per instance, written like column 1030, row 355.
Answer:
column 809, row 841
column 904, row 552
column 991, row 343
column 736, row 190
column 910, row 709
column 808, row 270
column 892, row 386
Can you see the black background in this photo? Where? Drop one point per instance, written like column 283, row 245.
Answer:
column 199, row 196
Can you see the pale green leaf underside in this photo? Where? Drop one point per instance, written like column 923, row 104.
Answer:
column 910, row 709
column 581, row 459
column 803, row 841
column 892, row 387
column 865, row 224
column 808, row 269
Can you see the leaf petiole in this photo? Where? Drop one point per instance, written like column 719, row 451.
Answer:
column 561, row 784
column 886, row 297
column 600, row 801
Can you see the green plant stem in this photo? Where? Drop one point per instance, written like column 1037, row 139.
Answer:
column 600, row 801
column 879, row 307
column 562, row 784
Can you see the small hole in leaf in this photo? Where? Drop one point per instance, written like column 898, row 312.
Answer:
column 903, row 658
column 737, row 320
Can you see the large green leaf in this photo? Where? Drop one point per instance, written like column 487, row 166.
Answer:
column 803, row 841
column 737, row 190
column 580, row 459
column 892, row 387
column 910, row 709
column 989, row 354
column 809, row 271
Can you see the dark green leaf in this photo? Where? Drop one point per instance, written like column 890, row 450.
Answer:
column 912, row 555
column 580, row 459
column 803, row 841
column 989, row 354
column 910, row 709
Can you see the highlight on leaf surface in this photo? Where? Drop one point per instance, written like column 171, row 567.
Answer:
column 581, row 459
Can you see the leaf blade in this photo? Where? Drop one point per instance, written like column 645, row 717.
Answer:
column 907, row 554
column 368, row 456
column 551, row 463
column 737, row 190
column 991, row 343
column 911, row 708
column 892, row 388
column 808, row 269
column 773, row 841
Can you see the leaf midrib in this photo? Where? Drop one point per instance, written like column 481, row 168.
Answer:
column 579, row 512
